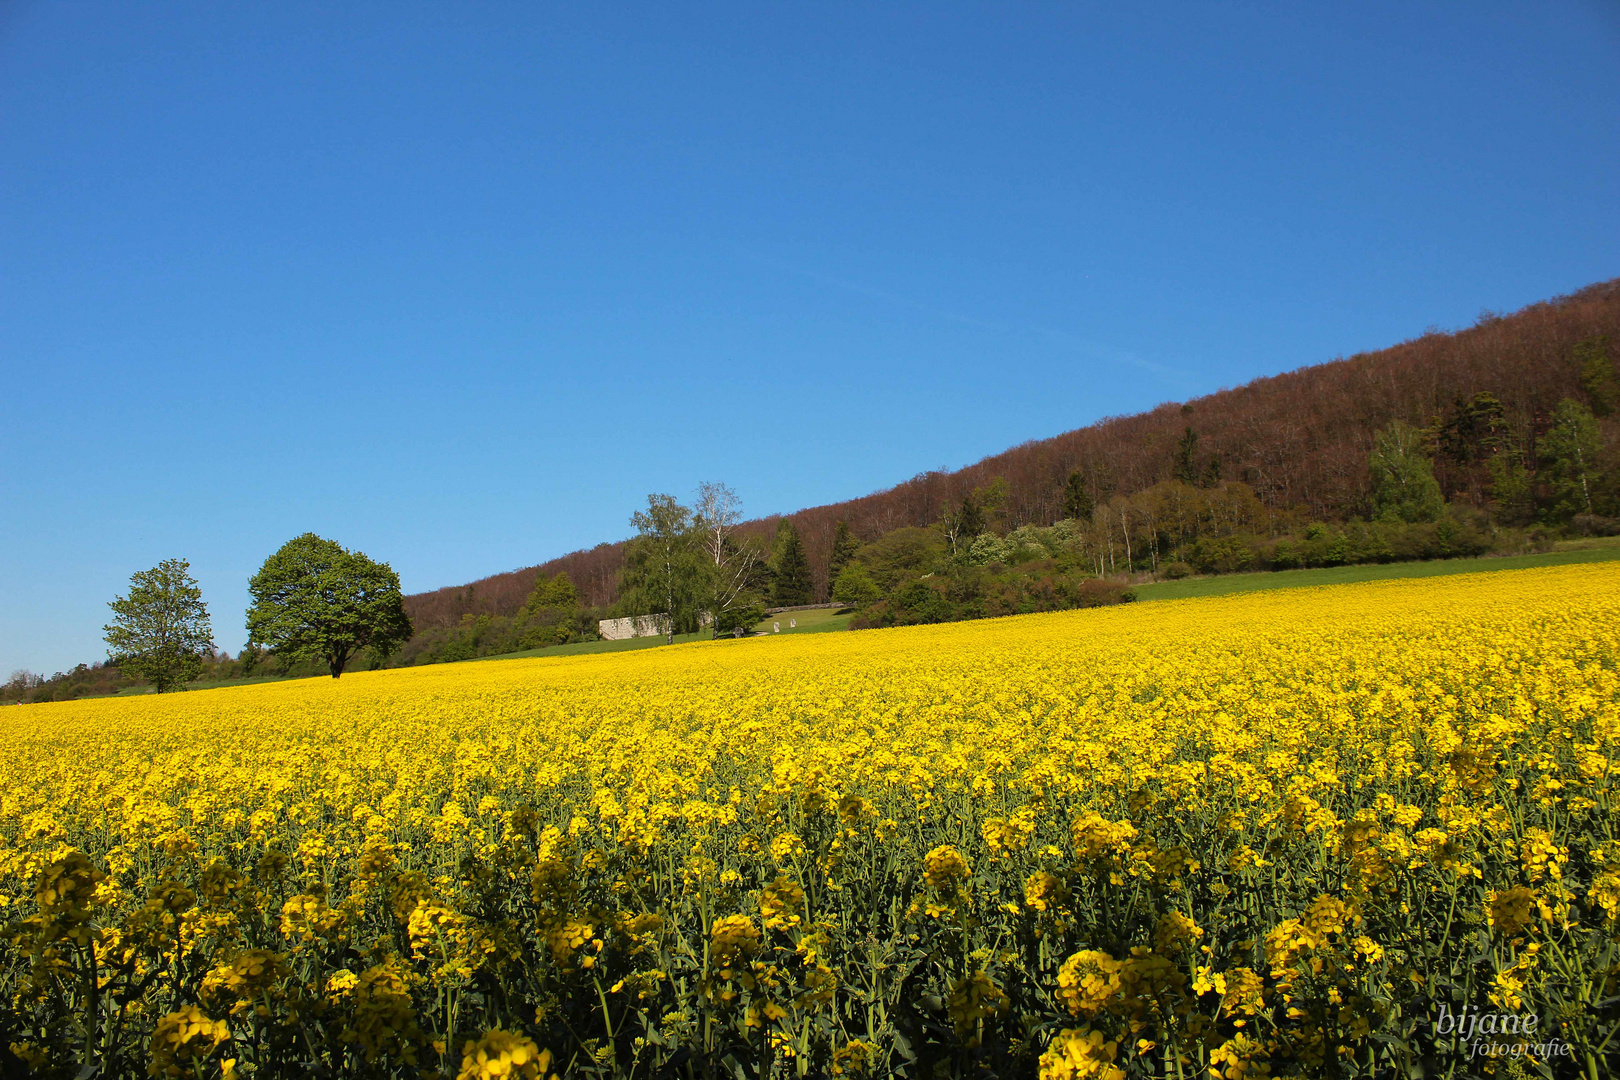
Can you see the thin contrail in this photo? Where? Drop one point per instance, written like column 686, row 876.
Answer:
column 1174, row 375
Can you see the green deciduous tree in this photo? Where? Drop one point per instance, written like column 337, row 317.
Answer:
column 1403, row 483
column 552, row 614
column 1570, row 450
column 1511, row 489
column 902, row 555
column 663, row 565
column 855, row 586
column 790, row 569
column 315, row 600
column 161, row 629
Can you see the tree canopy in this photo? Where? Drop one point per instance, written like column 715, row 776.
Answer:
column 161, row 629
column 1570, row 449
column 663, row 565
column 1403, row 483
column 316, row 600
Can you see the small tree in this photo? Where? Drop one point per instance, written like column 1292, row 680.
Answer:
column 315, row 600
column 1403, row 483
column 963, row 524
column 161, row 630
column 1186, row 466
column 791, row 582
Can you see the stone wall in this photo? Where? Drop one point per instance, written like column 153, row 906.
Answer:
column 641, row 626
column 633, row 626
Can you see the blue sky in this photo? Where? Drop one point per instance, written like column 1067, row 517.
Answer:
column 458, row 285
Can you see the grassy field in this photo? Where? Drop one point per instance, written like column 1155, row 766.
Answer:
column 810, row 622
column 1580, row 551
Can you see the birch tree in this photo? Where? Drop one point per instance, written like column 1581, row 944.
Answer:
column 731, row 563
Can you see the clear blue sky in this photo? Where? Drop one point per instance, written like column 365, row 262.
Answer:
column 458, row 285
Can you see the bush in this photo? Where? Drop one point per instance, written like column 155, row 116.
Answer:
column 1287, row 555
column 970, row 592
column 855, row 586
column 739, row 618
column 1175, row 571
column 1594, row 525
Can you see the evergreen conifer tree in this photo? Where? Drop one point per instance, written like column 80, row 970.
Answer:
column 843, row 549
column 1077, row 502
column 792, row 584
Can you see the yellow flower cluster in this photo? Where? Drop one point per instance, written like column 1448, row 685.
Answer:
column 1271, row 834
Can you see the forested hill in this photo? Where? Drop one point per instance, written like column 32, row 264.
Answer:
column 1301, row 440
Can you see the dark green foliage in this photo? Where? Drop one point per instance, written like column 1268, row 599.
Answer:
column 790, row 570
column 1186, row 468
column 551, row 616
column 1475, row 430
column 902, row 555
column 663, row 565
column 973, row 592
column 1078, row 504
column 1599, row 377
column 160, row 631
column 496, row 635
column 844, row 548
column 1511, row 489
column 992, row 500
column 740, row 617
column 969, row 519
column 964, row 523
column 314, row 600
column 1570, row 451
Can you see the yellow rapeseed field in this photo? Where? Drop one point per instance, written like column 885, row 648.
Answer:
column 1357, row 830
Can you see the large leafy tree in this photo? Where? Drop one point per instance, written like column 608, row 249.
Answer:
column 316, row 600
column 1570, row 450
column 1403, row 483
column 664, row 566
column 161, row 629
